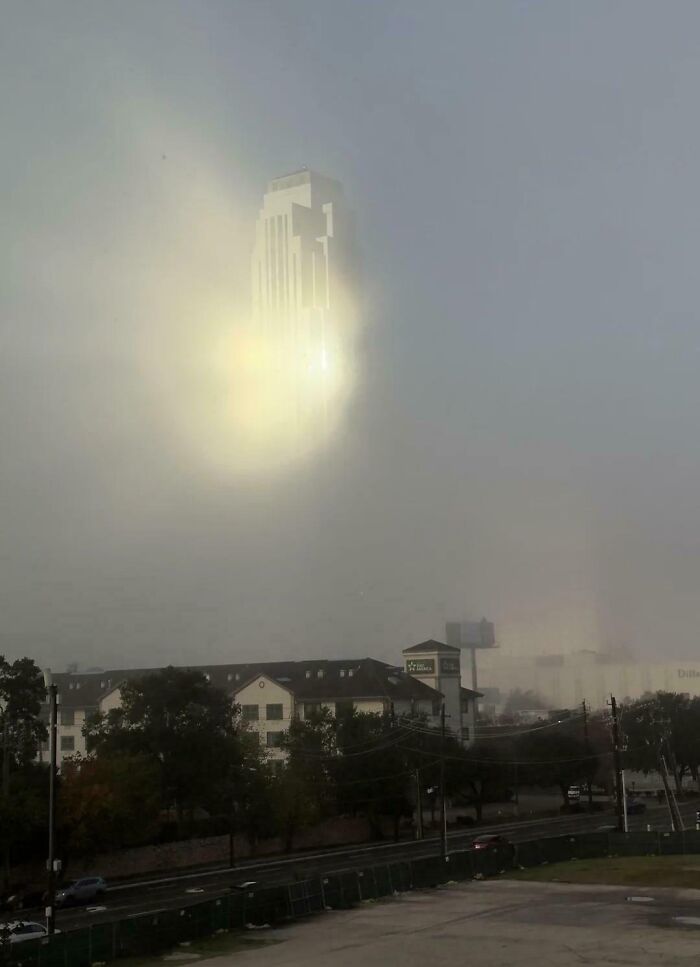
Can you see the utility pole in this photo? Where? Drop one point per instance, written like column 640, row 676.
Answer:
column 232, row 837
column 588, row 755
column 51, row 864
column 6, row 786
column 673, row 810
column 419, row 807
column 618, row 767
column 443, row 804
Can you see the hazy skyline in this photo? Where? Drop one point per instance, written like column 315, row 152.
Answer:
column 520, row 439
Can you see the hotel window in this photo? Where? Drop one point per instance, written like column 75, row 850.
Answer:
column 274, row 712
column 67, row 743
column 274, row 740
column 250, row 713
column 67, row 716
column 344, row 708
column 311, row 709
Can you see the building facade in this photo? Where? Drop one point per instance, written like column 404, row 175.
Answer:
column 303, row 284
column 272, row 694
column 438, row 666
column 564, row 681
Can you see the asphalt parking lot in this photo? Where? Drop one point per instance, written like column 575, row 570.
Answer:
column 495, row 923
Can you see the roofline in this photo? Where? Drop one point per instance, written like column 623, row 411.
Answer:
column 248, row 681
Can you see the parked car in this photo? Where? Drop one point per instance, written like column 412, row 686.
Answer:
column 80, row 891
column 492, row 841
column 21, row 930
column 635, row 807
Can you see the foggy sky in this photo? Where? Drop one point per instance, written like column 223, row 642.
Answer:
column 522, row 440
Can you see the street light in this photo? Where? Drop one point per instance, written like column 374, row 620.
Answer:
column 51, row 864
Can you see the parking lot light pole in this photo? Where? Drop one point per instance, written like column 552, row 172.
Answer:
column 52, row 691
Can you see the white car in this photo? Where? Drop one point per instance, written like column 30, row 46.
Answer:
column 21, row 930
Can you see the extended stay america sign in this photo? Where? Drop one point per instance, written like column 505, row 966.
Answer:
column 420, row 666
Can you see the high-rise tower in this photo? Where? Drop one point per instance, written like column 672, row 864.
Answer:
column 302, row 274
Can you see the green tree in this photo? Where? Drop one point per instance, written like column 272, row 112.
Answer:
column 21, row 728
column 107, row 803
column 24, row 816
column 242, row 795
column 553, row 757
column 21, row 731
column 301, row 791
column 372, row 773
column 482, row 773
column 185, row 725
column 664, row 724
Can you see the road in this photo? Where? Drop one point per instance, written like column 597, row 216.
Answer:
column 148, row 896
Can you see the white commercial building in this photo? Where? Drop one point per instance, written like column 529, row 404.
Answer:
column 563, row 681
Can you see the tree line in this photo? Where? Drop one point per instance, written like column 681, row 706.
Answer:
column 176, row 759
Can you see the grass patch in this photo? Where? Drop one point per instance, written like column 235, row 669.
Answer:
column 219, row 945
column 678, row 871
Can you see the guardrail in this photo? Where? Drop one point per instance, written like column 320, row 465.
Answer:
column 153, row 933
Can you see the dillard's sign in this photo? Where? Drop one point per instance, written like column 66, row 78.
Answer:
column 688, row 673
column 420, row 666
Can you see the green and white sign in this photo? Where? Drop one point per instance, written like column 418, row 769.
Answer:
column 420, row 666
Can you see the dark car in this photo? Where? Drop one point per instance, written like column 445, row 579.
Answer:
column 22, row 898
column 80, row 891
column 635, row 807
column 492, row 841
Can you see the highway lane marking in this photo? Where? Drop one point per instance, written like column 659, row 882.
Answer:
column 409, row 845
column 640, row 899
column 579, row 823
column 689, row 921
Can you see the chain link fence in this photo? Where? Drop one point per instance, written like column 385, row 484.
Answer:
column 153, row 933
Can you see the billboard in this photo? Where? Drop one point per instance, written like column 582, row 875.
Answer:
column 470, row 634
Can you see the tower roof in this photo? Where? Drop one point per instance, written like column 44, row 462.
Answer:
column 430, row 647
